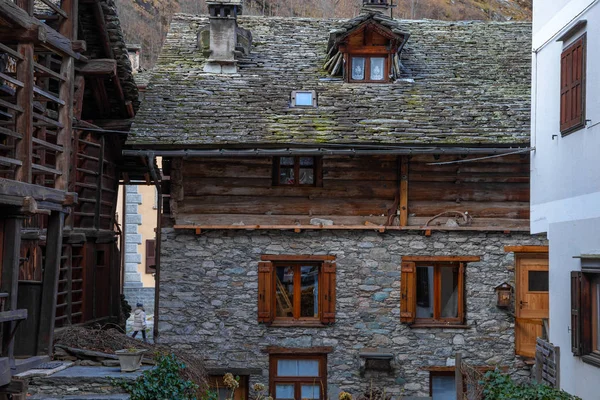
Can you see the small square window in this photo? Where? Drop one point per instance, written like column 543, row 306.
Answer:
column 305, row 98
column 296, row 171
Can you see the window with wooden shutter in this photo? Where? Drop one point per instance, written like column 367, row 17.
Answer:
column 572, row 86
column 407, row 292
column 328, row 292
column 432, row 290
column 150, row 256
column 576, row 312
column 265, row 291
column 584, row 315
column 296, row 290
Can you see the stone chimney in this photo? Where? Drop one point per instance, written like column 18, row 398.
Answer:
column 378, row 6
column 223, row 42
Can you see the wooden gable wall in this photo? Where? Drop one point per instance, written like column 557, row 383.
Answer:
column 356, row 191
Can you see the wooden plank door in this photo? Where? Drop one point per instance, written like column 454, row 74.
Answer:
column 531, row 302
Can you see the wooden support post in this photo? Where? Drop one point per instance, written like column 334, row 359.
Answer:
column 24, row 120
column 404, row 191
column 100, row 185
column 50, row 282
column 538, row 366
column 458, row 376
column 65, row 117
column 68, row 26
column 26, row 5
column 10, row 279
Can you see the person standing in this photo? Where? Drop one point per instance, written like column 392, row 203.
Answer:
column 139, row 321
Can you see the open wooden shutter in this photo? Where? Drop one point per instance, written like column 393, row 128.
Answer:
column 408, row 297
column 327, row 288
column 265, row 291
column 581, row 314
column 572, row 87
column 150, row 256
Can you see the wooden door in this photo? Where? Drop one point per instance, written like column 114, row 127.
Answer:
column 531, row 302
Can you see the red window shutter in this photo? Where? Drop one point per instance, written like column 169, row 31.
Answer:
column 581, row 314
column 327, row 287
column 150, row 256
column 572, row 86
column 408, row 285
column 265, row 291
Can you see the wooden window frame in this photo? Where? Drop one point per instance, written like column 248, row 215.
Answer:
column 297, row 298
column 216, row 382
column 408, row 295
column 567, row 62
column 321, row 380
column 267, row 290
column 449, row 372
column 585, row 316
column 317, row 172
column 367, row 57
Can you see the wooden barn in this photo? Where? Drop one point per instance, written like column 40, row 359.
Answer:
column 344, row 199
column 67, row 96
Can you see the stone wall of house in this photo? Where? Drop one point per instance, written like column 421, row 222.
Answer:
column 208, row 302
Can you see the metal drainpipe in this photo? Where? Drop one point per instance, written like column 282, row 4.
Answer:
column 157, row 260
column 151, row 157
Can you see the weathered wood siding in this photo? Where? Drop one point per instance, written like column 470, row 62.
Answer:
column 355, row 190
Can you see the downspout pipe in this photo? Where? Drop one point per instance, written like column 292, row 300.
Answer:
column 155, row 178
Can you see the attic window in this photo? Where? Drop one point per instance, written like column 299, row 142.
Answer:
column 368, row 69
column 304, row 98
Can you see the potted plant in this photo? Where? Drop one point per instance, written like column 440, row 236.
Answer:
column 130, row 359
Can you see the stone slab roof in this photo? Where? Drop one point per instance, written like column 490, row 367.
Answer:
column 463, row 83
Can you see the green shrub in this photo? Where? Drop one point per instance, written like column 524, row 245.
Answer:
column 163, row 382
column 499, row 386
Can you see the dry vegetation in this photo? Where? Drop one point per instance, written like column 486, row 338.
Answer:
column 146, row 21
column 110, row 340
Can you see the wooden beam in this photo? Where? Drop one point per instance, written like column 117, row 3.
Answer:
column 100, row 95
column 458, row 376
column 24, row 120
column 65, row 117
column 441, row 258
column 301, row 350
column 404, row 191
column 10, row 279
column 123, row 125
column 102, row 30
column 68, row 25
column 100, row 185
column 50, row 282
column 39, row 193
column 79, row 46
column 526, row 249
column 26, row 5
column 295, row 257
column 100, row 66
column 376, row 228
column 41, row 33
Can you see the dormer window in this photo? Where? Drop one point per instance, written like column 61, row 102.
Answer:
column 367, row 50
column 367, row 69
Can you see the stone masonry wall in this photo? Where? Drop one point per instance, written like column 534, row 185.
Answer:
column 208, row 302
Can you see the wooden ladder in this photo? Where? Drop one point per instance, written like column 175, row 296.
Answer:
column 283, row 299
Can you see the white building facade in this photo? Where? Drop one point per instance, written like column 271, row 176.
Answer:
column 565, row 180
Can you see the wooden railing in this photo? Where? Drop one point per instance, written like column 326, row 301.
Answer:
column 32, row 132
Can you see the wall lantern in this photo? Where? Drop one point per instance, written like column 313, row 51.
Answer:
column 504, row 292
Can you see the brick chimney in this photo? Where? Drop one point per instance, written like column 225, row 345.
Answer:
column 378, row 6
column 224, row 41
